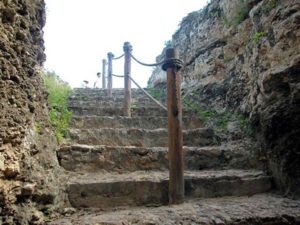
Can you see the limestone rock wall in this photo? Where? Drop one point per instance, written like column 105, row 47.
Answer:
column 29, row 171
column 245, row 56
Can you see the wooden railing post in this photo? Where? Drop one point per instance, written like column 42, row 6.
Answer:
column 104, row 73
column 127, row 81
column 172, row 66
column 110, row 57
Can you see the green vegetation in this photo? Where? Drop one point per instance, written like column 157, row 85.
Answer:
column 215, row 14
column 240, row 14
column 258, row 36
column 191, row 17
column 157, row 93
column 269, row 5
column 225, row 20
column 59, row 114
column 133, row 105
column 168, row 44
column 37, row 128
column 219, row 120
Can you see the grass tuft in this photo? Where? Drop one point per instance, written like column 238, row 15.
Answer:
column 58, row 93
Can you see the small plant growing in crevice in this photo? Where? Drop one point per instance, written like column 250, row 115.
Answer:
column 215, row 14
column 227, row 23
column 258, row 36
column 133, row 106
column 220, row 120
column 58, row 93
column 37, row 128
column 241, row 13
column 269, row 5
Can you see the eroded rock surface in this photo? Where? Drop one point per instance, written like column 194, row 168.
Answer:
column 28, row 187
column 245, row 57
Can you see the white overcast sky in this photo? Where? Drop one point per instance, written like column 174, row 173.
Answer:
column 80, row 33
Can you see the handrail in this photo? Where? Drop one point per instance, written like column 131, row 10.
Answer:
column 147, row 64
column 172, row 65
column 116, row 58
column 143, row 90
column 146, row 93
column 120, row 76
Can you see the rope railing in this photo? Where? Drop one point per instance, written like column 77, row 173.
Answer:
column 172, row 65
column 149, row 96
column 120, row 76
column 170, row 61
column 116, row 58
column 147, row 64
column 144, row 91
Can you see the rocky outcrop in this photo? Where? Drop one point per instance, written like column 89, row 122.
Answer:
column 28, row 187
column 244, row 56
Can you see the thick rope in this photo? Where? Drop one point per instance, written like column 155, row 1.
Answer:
column 146, row 64
column 116, row 58
column 148, row 95
column 145, row 92
column 120, row 76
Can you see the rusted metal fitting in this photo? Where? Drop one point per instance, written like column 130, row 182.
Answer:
column 172, row 60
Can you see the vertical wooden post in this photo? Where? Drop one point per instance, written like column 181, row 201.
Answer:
column 127, row 81
column 110, row 57
column 103, row 73
column 172, row 66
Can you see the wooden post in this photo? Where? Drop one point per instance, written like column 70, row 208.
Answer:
column 110, row 57
column 103, row 73
column 172, row 66
column 127, row 81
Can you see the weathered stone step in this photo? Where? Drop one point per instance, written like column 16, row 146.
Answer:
column 96, row 99
column 144, row 122
column 98, row 158
column 262, row 209
column 110, row 104
column 142, row 188
column 140, row 137
column 118, row 111
column 115, row 91
column 97, row 96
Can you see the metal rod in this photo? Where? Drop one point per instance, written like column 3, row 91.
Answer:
column 175, row 137
column 104, row 73
column 127, row 82
column 110, row 57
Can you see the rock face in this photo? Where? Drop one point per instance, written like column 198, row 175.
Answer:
column 27, row 144
column 245, row 56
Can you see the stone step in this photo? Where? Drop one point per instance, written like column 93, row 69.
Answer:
column 108, row 158
column 85, row 122
column 262, row 209
column 96, row 99
column 140, row 137
column 98, row 91
column 143, row 188
column 110, row 104
column 101, row 94
column 118, row 111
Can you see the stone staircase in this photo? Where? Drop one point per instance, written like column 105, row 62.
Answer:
column 121, row 163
